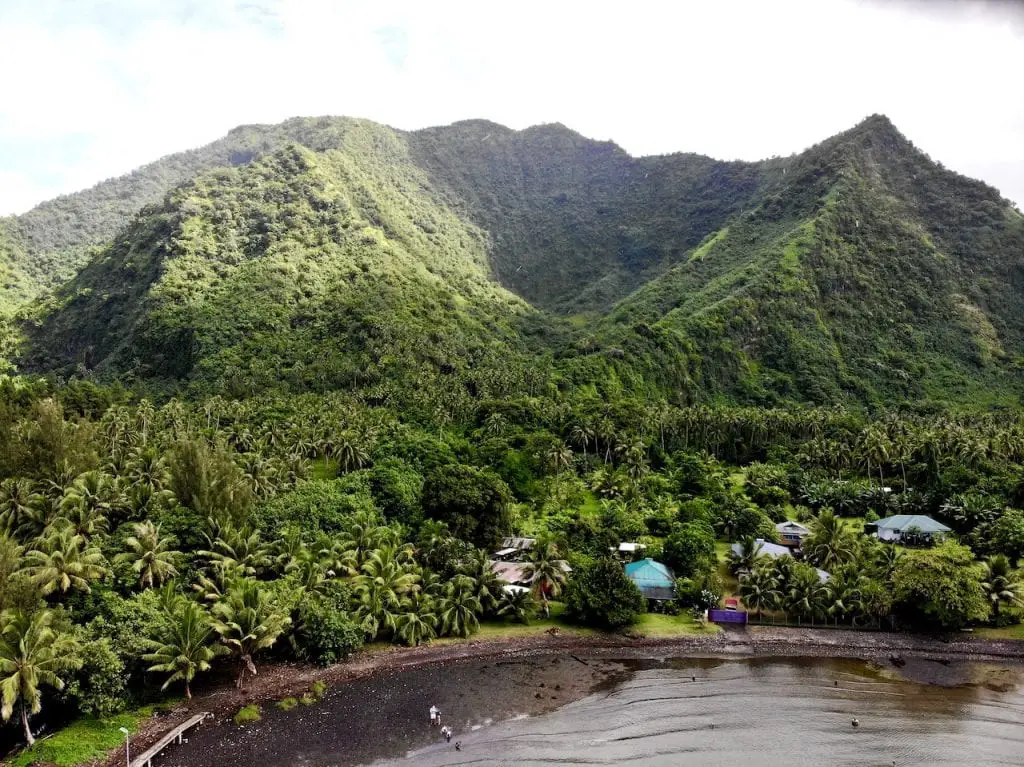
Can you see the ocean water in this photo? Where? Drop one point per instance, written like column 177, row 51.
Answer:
column 784, row 712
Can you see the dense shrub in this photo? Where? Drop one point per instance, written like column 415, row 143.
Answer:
column 601, row 595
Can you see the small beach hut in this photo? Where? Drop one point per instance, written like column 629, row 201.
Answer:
column 655, row 581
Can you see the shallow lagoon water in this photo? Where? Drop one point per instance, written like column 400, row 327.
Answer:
column 772, row 712
column 768, row 712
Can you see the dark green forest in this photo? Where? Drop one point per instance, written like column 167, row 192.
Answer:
column 278, row 397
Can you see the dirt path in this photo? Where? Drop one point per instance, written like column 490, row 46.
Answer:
column 282, row 680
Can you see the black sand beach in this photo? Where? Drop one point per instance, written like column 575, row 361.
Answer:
column 377, row 705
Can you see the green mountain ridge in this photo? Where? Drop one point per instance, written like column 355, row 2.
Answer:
column 337, row 253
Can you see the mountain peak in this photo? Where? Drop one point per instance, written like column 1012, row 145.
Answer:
column 879, row 130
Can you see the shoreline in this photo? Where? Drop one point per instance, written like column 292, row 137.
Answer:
column 277, row 681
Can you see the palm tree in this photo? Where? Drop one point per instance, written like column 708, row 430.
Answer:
column 364, row 534
column 1000, row 584
column 64, row 561
column 518, row 605
column 381, row 589
column 150, row 555
column 546, row 572
column 240, row 548
column 458, row 608
column 759, row 590
column 17, row 500
column 494, row 424
column 248, row 620
column 830, row 543
column 91, row 501
column 186, row 647
column 582, row 434
column 40, row 518
column 807, row 595
column 32, row 654
column 11, row 553
column 846, row 593
column 416, row 624
column 884, row 561
column 350, row 452
column 745, row 558
column 559, row 457
column 213, row 585
column 488, row 584
column 148, row 468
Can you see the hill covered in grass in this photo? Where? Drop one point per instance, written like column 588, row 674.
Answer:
column 472, row 260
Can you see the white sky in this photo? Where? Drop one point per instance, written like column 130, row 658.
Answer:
column 95, row 88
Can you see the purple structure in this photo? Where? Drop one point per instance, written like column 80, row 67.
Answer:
column 727, row 616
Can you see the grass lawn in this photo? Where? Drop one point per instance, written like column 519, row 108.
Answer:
column 1007, row 632
column 82, row 741
column 323, row 468
column 730, row 583
column 657, row 625
column 854, row 523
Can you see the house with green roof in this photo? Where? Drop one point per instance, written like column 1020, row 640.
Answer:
column 655, row 581
column 908, row 528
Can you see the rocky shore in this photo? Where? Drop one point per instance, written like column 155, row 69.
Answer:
column 575, row 663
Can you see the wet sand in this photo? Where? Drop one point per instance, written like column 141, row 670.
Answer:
column 386, row 715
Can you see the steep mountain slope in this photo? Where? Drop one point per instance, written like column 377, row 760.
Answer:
column 300, row 269
column 17, row 285
column 353, row 255
column 577, row 224
column 54, row 238
column 872, row 274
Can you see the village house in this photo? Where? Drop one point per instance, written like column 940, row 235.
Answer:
column 791, row 533
column 655, row 581
column 773, row 550
column 908, row 528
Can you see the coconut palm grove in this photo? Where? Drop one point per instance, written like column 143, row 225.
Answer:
column 283, row 396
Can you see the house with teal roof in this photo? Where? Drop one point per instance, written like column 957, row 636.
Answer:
column 655, row 580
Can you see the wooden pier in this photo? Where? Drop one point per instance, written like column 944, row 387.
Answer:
column 145, row 759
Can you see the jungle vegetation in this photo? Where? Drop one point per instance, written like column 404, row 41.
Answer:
column 301, row 381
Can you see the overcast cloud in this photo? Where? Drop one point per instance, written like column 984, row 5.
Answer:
column 95, row 88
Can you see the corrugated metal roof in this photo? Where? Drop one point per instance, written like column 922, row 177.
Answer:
column 769, row 549
column 511, row 572
column 791, row 527
column 903, row 522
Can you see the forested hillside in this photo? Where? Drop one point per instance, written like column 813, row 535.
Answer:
column 55, row 237
column 870, row 274
column 858, row 271
column 577, row 224
column 300, row 271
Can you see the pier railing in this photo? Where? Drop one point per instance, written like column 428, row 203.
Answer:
column 145, row 759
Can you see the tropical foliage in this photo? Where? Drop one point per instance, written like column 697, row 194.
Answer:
column 310, row 376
